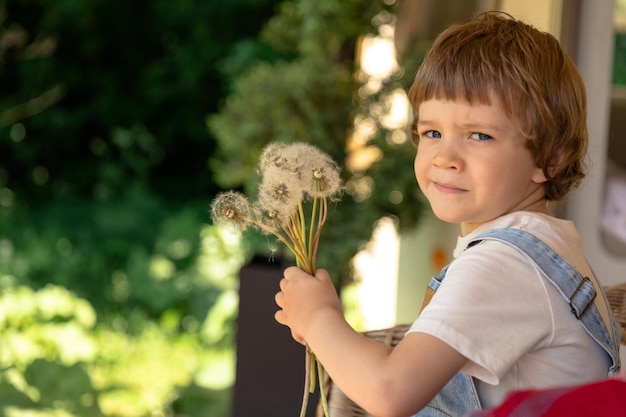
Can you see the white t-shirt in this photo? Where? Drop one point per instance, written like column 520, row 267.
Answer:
column 495, row 308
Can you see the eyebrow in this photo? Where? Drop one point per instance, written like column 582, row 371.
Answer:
column 470, row 125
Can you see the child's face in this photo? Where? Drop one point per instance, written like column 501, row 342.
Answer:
column 473, row 165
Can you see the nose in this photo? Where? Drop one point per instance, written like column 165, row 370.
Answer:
column 448, row 154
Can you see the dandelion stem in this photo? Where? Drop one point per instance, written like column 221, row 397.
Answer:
column 292, row 230
column 312, row 366
column 320, row 224
column 322, row 385
column 307, row 383
column 287, row 241
column 303, row 240
column 312, row 230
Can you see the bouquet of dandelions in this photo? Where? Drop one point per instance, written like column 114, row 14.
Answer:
column 297, row 182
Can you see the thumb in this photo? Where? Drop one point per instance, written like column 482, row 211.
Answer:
column 323, row 275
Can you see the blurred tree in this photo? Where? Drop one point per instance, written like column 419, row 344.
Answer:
column 104, row 188
column 103, row 137
column 314, row 94
column 97, row 93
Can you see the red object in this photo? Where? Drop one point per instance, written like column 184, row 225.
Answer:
column 598, row 399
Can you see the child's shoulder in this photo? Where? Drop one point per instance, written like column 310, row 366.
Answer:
column 549, row 229
column 559, row 234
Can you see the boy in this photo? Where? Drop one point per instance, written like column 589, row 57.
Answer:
column 500, row 130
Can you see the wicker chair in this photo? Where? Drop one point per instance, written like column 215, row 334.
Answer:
column 616, row 295
column 341, row 406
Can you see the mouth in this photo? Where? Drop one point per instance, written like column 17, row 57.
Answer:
column 447, row 188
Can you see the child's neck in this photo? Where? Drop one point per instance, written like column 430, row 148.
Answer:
column 538, row 207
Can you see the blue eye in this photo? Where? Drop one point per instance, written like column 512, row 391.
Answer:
column 480, row 136
column 432, row 134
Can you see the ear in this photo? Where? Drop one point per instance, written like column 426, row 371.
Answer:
column 538, row 176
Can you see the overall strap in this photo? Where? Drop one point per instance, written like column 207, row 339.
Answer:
column 433, row 285
column 577, row 290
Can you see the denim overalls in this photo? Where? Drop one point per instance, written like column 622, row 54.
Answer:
column 459, row 395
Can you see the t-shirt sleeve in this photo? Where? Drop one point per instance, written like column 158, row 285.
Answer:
column 492, row 307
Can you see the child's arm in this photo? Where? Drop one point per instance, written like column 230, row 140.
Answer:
column 384, row 381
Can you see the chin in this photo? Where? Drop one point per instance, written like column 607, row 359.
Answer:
column 447, row 217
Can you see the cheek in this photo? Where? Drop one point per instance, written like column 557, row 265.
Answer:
column 416, row 165
column 419, row 167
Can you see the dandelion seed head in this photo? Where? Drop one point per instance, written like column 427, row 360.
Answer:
column 279, row 193
column 232, row 209
column 275, row 156
column 272, row 219
column 325, row 182
column 318, row 173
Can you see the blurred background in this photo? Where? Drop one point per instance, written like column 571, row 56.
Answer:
column 121, row 120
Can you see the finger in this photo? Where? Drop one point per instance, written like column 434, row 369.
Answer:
column 322, row 275
column 278, row 298
column 282, row 283
column 291, row 272
column 279, row 316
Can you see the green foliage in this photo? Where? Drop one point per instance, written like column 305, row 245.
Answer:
column 309, row 95
column 104, row 192
column 130, row 366
column 619, row 59
column 282, row 102
column 145, row 375
column 127, row 253
column 46, row 334
column 115, row 91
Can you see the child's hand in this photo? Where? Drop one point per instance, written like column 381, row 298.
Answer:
column 304, row 299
